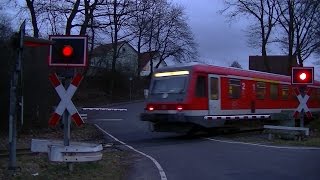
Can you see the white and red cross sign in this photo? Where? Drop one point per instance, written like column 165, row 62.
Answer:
column 65, row 103
column 303, row 103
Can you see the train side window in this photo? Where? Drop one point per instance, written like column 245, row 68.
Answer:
column 285, row 92
column 260, row 90
column 273, row 91
column 318, row 93
column 234, row 89
column 214, row 88
column 201, row 86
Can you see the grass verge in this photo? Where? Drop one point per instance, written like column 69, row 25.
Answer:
column 280, row 139
column 37, row 166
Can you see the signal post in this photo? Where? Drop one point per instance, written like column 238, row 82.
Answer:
column 302, row 77
column 66, row 54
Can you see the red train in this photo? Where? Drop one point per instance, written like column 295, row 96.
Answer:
column 182, row 98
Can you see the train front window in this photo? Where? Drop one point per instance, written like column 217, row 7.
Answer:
column 174, row 84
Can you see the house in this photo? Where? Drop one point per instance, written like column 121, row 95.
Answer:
column 126, row 62
column 278, row 64
column 145, row 62
column 102, row 58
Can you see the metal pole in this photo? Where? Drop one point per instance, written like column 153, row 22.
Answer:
column 66, row 128
column 302, row 92
column 13, row 103
column 66, row 125
column 130, row 84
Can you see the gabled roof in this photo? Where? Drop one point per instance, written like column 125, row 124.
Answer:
column 102, row 49
column 146, row 57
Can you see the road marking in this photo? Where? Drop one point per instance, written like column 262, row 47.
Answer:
column 262, row 145
column 107, row 119
column 160, row 169
column 105, row 109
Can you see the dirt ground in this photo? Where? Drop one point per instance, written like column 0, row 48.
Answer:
column 113, row 165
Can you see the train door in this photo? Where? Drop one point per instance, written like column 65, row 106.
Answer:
column 214, row 94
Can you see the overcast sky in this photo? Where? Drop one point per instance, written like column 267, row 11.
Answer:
column 219, row 40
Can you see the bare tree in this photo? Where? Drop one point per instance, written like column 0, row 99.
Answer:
column 30, row 5
column 140, row 26
column 170, row 34
column 299, row 22
column 263, row 11
column 5, row 28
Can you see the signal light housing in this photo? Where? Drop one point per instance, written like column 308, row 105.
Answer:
column 302, row 75
column 68, row 51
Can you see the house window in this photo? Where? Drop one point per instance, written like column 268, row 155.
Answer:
column 123, row 49
column 260, row 90
column 285, row 92
column 214, row 88
column 201, row 86
column 234, row 88
column 273, row 91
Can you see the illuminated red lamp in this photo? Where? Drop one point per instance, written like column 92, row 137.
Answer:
column 179, row 108
column 150, row 108
column 67, row 51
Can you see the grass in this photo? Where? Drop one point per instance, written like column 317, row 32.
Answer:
column 309, row 142
column 37, row 166
column 113, row 165
column 280, row 139
column 313, row 140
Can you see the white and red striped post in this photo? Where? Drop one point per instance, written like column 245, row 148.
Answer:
column 303, row 99
column 65, row 103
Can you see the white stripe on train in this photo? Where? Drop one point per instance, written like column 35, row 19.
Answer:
column 226, row 112
column 262, row 116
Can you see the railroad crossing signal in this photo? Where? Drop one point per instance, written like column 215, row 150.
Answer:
column 65, row 103
column 302, row 75
column 68, row 51
column 303, row 103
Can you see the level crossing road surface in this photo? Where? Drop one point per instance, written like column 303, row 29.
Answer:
column 177, row 157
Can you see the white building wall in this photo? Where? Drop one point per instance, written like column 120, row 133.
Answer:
column 126, row 62
column 146, row 69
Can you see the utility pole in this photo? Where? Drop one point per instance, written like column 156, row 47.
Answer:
column 13, row 103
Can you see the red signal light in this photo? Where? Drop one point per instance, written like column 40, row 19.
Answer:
column 67, row 51
column 179, row 108
column 302, row 75
column 150, row 108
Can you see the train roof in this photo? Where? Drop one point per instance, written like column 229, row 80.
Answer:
column 230, row 71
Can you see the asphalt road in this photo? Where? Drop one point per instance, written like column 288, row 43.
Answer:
column 175, row 157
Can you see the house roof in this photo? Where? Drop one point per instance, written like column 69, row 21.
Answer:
column 102, row 49
column 146, row 57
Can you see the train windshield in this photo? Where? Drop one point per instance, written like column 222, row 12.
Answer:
column 173, row 84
